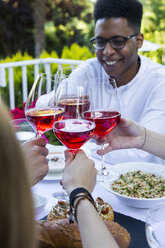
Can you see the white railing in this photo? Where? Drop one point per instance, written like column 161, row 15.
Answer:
column 23, row 64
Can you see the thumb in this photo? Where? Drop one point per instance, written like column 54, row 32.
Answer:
column 68, row 157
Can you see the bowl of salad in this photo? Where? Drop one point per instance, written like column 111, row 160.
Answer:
column 140, row 184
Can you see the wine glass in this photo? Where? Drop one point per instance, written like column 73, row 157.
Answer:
column 105, row 112
column 39, row 110
column 73, row 131
column 64, row 72
column 23, row 130
column 155, row 226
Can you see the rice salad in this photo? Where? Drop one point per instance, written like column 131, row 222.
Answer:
column 138, row 184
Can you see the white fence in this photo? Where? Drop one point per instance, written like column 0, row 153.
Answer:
column 46, row 63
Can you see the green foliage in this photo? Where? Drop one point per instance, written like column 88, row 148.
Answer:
column 155, row 56
column 154, row 15
column 52, row 138
column 52, row 40
column 71, row 20
column 153, row 27
column 67, row 22
column 17, row 72
column 76, row 52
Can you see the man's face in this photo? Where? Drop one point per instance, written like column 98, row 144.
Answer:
column 121, row 64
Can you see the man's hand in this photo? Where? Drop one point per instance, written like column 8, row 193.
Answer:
column 36, row 152
column 128, row 134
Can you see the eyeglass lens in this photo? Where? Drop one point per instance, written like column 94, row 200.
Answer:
column 116, row 43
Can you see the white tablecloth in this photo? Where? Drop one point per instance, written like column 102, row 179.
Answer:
column 46, row 188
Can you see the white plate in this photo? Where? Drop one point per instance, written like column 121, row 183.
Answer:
column 39, row 202
column 56, row 162
column 56, row 159
column 57, row 153
column 123, row 168
column 53, row 176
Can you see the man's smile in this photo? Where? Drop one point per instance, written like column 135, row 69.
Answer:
column 112, row 62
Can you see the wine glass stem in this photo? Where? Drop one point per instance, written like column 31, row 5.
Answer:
column 104, row 171
column 38, row 135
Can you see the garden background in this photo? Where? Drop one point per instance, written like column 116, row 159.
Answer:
column 61, row 29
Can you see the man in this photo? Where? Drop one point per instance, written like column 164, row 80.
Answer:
column 140, row 82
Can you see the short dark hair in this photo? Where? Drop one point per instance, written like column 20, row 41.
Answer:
column 132, row 10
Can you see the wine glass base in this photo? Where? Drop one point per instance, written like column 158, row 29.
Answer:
column 103, row 172
column 61, row 195
column 109, row 175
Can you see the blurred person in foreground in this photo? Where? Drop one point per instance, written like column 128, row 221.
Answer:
column 16, row 211
column 17, row 226
column 129, row 134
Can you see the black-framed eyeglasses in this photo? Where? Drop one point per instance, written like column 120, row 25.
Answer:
column 116, row 42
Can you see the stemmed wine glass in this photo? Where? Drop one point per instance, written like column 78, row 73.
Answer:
column 155, row 226
column 23, row 130
column 73, row 131
column 105, row 112
column 39, row 110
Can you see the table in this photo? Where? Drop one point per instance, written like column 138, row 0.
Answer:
column 133, row 219
column 135, row 227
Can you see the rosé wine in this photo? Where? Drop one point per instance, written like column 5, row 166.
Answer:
column 105, row 120
column 74, row 106
column 42, row 120
column 74, row 133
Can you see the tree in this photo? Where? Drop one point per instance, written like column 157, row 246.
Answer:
column 22, row 25
column 16, row 24
column 71, row 19
column 39, row 17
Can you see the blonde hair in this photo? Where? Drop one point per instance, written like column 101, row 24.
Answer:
column 17, row 228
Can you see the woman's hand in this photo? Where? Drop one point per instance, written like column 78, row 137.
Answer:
column 79, row 171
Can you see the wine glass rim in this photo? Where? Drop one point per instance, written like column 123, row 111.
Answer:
column 40, row 108
column 19, row 119
column 64, row 120
column 102, row 110
column 23, row 122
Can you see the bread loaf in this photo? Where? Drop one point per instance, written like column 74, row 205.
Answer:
column 61, row 234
